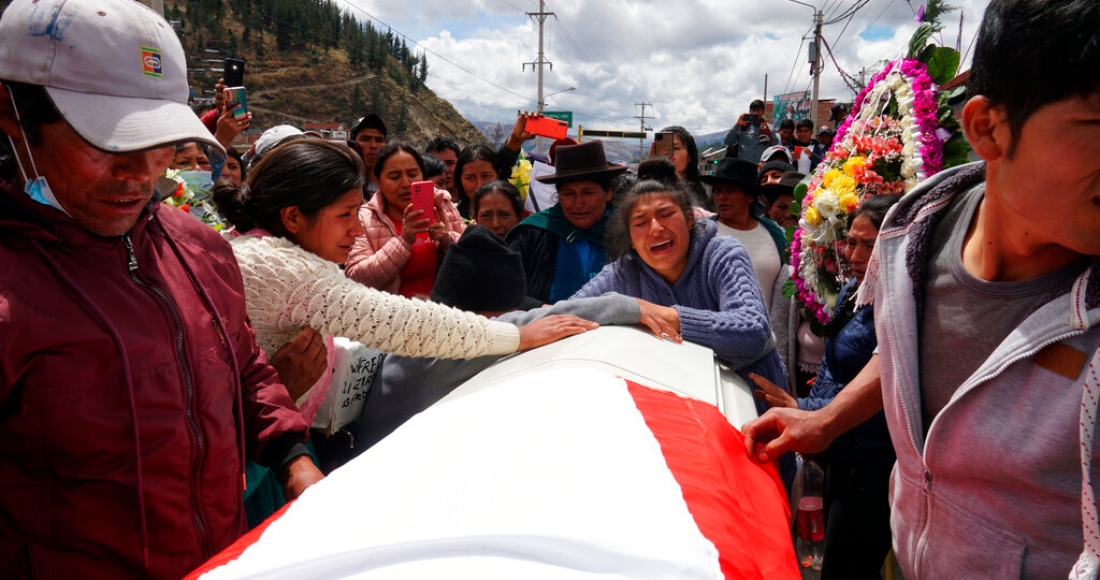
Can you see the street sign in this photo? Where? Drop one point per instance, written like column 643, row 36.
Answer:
column 615, row 134
column 566, row 116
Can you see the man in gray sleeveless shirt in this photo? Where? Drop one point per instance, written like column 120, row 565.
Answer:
column 986, row 285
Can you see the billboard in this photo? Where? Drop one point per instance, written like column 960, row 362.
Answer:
column 791, row 106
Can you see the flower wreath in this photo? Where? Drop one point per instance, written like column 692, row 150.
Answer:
column 899, row 132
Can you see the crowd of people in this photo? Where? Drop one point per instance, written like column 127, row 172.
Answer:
column 156, row 372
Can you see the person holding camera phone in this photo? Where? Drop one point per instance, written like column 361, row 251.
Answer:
column 751, row 135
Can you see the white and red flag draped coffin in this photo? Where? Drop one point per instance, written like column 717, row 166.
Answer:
column 551, row 473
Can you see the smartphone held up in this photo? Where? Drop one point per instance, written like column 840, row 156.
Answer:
column 234, row 93
column 663, row 144
column 423, row 198
column 546, row 127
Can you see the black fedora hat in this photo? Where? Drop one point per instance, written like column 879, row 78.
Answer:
column 786, row 185
column 736, row 171
column 581, row 162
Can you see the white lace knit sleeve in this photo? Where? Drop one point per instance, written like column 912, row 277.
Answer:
column 287, row 288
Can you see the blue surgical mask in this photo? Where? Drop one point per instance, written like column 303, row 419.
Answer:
column 40, row 191
column 36, row 188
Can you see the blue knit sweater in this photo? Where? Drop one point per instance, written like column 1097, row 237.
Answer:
column 717, row 296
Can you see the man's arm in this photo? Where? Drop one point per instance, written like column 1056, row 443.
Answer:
column 781, row 430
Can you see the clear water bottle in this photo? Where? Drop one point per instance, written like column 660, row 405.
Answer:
column 809, row 521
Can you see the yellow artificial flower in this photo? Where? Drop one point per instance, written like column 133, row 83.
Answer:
column 830, row 175
column 521, row 176
column 849, row 201
column 813, row 217
column 844, row 185
column 852, row 163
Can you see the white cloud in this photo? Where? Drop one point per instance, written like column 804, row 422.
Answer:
column 698, row 62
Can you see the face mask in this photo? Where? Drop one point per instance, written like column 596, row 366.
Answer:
column 37, row 188
column 40, row 191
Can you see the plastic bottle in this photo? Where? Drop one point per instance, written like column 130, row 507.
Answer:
column 809, row 521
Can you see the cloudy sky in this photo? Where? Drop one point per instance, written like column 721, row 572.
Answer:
column 697, row 62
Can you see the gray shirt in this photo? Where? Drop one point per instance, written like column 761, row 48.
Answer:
column 965, row 318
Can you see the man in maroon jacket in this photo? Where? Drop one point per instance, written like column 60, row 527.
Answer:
column 131, row 387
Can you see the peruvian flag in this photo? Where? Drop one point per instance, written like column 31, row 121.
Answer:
column 559, row 473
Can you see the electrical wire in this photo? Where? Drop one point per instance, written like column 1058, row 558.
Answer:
column 851, row 12
column 848, row 79
column 863, row 27
column 790, row 77
column 436, row 54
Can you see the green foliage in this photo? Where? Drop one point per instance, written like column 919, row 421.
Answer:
column 926, row 53
column 789, row 289
column 945, row 97
column 920, row 39
column 934, row 11
column 955, row 151
column 943, row 64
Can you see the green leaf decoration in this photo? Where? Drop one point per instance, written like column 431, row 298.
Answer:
column 789, row 289
column 920, row 38
column 926, row 54
column 800, row 192
column 943, row 65
column 945, row 97
column 955, row 151
column 943, row 113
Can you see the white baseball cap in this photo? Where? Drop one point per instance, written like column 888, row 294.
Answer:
column 777, row 149
column 273, row 137
column 114, row 69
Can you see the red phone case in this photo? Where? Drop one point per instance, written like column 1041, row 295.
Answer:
column 546, row 127
column 423, row 197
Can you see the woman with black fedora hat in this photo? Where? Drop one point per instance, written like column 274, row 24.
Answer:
column 563, row 246
column 735, row 190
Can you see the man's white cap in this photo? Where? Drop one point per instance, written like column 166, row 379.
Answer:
column 269, row 139
column 777, row 149
column 113, row 68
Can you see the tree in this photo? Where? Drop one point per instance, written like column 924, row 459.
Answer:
column 403, row 117
column 497, row 136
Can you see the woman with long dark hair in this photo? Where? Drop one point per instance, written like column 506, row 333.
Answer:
column 295, row 223
column 388, row 256
column 661, row 254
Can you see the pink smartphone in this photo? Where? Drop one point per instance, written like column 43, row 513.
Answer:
column 423, row 197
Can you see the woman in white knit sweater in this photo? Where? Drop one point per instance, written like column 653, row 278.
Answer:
column 294, row 225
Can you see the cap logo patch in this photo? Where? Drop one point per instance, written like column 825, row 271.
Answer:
column 150, row 62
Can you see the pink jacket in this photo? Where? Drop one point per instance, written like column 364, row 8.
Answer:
column 378, row 256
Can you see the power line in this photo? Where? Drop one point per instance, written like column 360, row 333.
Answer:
column 848, row 79
column 864, row 26
column 851, row 12
column 441, row 57
column 790, row 77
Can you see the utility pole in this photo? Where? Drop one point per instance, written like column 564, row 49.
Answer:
column 642, row 117
column 540, row 61
column 815, row 58
column 816, row 66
